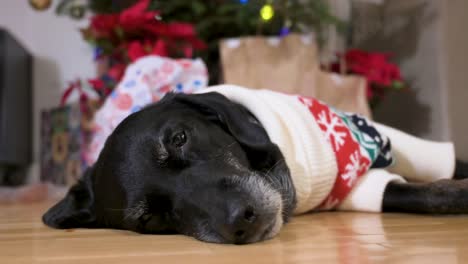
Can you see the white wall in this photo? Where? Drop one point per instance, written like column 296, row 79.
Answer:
column 429, row 39
column 421, row 64
column 411, row 32
column 455, row 60
column 60, row 55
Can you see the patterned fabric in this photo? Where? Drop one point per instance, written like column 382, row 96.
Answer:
column 146, row 81
column 377, row 145
column 357, row 144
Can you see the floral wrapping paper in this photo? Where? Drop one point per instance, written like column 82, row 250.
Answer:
column 145, row 81
column 71, row 139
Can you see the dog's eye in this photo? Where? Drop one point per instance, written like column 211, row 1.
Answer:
column 179, row 139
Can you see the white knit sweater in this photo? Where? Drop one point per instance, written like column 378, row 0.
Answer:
column 310, row 157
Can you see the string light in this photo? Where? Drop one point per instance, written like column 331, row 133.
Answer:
column 267, row 12
column 284, row 32
column 243, row 1
column 286, row 29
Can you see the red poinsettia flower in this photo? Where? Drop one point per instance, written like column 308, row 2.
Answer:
column 188, row 51
column 138, row 49
column 379, row 72
column 117, row 71
column 103, row 26
column 134, row 33
column 136, row 17
column 136, row 23
column 160, row 49
column 181, row 30
column 197, row 43
column 135, row 50
column 374, row 66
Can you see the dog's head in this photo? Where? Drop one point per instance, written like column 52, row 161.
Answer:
column 198, row 165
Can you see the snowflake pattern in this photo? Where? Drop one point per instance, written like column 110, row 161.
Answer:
column 307, row 101
column 331, row 124
column 330, row 203
column 353, row 169
column 352, row 159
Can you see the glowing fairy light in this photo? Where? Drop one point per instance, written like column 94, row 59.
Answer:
column 267, row 12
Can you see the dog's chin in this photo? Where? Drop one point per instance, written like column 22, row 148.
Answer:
column 274, row 230
column 274, row 202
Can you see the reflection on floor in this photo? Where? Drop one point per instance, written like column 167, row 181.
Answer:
column 313, row 238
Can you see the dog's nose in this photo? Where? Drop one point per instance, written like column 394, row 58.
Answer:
column 242, row 224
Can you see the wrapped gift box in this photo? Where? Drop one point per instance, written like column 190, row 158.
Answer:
column 65, row 132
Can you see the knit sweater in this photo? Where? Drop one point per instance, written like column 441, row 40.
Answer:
column 311, row 155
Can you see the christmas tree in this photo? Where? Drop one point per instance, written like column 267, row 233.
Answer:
column 193, row 28
column 219, row 19
column 172, row 22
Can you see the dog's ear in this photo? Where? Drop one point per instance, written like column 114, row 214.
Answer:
column 76, row 209
column 262, row 153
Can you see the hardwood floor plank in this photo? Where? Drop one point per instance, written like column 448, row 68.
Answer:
column 314, row 238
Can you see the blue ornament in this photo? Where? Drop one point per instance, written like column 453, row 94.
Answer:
column 284, row 32
column 98, row 52
column 243, row 1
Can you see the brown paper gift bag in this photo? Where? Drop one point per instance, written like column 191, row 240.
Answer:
column 291, row 65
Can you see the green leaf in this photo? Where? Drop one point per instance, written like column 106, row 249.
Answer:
column 119, row 32
column 198, row 8
column 398, row 85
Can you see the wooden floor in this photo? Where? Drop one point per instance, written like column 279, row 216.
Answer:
column 318, row 238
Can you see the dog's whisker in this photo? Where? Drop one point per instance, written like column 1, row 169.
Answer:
column 276, row 182
column 205, row 233
column 280, row 161
column 275, row 165
column 136, row 211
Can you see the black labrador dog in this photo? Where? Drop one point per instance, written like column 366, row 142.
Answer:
column 203, row 166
